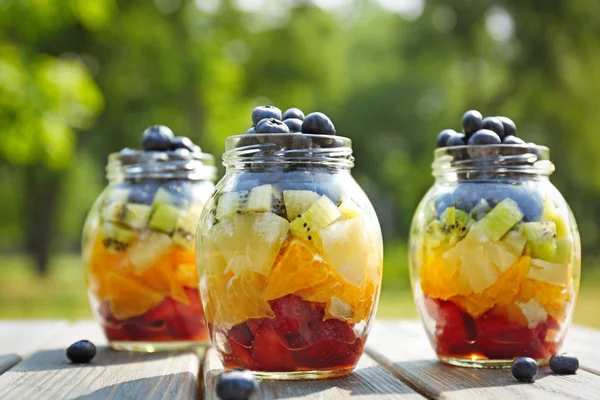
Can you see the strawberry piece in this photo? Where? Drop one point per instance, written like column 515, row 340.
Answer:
column 332, row 329
column 454, row 331
column 330, row 354
column 241, row 334
column 291, row 314
column 239, row 357
column 270, row 353
column 500, row 338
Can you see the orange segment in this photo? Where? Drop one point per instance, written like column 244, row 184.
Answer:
column 299, row 267
column 128, row 297
column 440, row 274
column 503, row 291
column 160, row 275
column 101, row 262
column 555, row 299
column 185, row 276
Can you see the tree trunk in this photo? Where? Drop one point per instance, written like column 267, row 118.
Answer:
column 43, row 188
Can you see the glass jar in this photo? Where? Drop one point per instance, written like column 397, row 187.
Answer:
column 495, row 256
column 138, row 249
column 289, row 257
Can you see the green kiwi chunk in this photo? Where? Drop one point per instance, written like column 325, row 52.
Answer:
column 185, row 230
column 129, row 214
column 116, row 237
column 320, row 215
column 164, row 218
column 499, row 220
column 541, row 239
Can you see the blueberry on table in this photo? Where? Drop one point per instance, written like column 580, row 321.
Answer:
column 511, row 139
column 236, row 385
column 510, row 129
column 81, row 352
column 182, row 142
column 495, row 125
column 318, row 123
column 272, row 125
column 293, row 113
column 443, row 136
column 484, row 137
column 524, row 369
column 157, row 138
column 564, row 363
column 263, row 112
column 294, row 124
column 472, row 122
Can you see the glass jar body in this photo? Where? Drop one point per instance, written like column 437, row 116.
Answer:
column 495, row 268
column 138, row 255
column 290, row 262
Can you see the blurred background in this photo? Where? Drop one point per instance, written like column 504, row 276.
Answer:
column 80, row 79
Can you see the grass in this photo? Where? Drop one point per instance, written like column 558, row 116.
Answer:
column 63, row 294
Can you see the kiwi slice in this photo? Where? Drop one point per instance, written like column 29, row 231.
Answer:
column 129, row 214
column 116, row 237
column 541, row 237
column 231, row 203
column 455, row 222
column 164, row 218
column 320, row 215
column 163, row 196
column 185, row 230
column 551, row 213
column 298, row 201
column 499, row 220
column 434, row 234
column 564, row 251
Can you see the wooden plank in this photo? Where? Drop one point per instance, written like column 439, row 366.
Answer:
column 585, row 344
column 402, row 347
column 48, row 374
column 18, row 339
column 368, row 381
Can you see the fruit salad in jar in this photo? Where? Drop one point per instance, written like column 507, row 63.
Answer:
column 138, row 245
column 289, row 252
column 495, row 251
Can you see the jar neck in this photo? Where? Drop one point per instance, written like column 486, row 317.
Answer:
column 297, row 150
column 138, row 165
column 492, row 163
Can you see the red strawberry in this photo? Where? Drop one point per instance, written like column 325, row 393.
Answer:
column 239, row 357
column 291, row 314
column 454, row 331
column 269, row 352
column 330, row 354
column 498, row 337
column 256, row 324
column 332, row 329
column 241, row 334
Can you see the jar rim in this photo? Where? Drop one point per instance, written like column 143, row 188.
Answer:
column 160, row 165
column 495, row 160
column 288, row 148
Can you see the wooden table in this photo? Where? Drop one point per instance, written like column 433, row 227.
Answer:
column 398, row 364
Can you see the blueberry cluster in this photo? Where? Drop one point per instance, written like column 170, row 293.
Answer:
column 479, row 131
column 159, row 144
column 525, row 368
column 269, row 119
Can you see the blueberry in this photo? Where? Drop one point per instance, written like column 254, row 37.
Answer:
column 293, row 113
column 318, row 123
column 294, row 124
column 472, row 122
column 441, row 203
column 182, row 142
column 272, row 125
column 157, row 138
column 180, row 154
column 458, row 139
column 495, row 125
column 443, row 136
column 524, row 369
column 262, row 112
column 181, row 192
column 250, row 131
column 510, row 139
column 128, row 156
column 564, row 363
column 81, row 352
column 142, row 193
column 236, row 385
column 484, row 137
column 510, row 129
